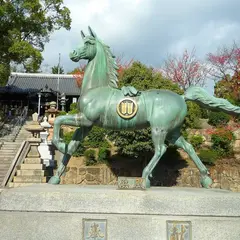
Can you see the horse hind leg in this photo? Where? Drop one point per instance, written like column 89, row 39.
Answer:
column 77, row 138
column 180, row 142
column 158, row 137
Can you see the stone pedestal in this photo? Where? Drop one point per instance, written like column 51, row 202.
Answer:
column 102, row 212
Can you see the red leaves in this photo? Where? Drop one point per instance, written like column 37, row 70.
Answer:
column 185, row 70
column 123, row 65
column 222, row 130
column 78, row 74
column 225, row 61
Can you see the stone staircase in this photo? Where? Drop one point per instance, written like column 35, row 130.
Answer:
column 9, row 149
column 32, row 170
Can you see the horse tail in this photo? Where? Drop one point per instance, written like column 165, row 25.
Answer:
column 203, row 98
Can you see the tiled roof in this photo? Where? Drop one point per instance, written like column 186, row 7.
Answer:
column 34, row 82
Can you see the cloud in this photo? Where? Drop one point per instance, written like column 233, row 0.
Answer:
column 147, row 30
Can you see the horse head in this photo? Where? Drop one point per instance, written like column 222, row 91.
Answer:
column 88, row 50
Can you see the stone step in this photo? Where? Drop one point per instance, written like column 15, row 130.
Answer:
column 11, row 184
column 2, row 151
column 32, row 166
column 30, row 172
column 2, row 157
column 32, row 160
column 11, row 143
column 24, row 136
column 4, row 166
column 8, row 154
column 22, row 139
column 10, row 147
column 29, row 179
column 3, row 172
column 6, row 161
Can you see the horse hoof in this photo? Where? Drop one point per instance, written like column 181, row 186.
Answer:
column 206, row 181
column 148, row 183
column 54, row 180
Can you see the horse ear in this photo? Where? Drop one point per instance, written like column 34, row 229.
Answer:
column 82, row 34
column 92, row 33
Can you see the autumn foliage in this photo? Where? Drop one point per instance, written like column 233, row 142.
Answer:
column 185, row 70
column 226, row 70
column 225, row 61
column 78, row 74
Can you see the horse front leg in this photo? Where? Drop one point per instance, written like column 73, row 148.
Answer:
column 77, row 138
column 76, row 120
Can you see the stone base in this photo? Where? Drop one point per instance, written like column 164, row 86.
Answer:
column 44, row 211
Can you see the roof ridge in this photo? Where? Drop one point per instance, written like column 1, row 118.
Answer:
column 42, row 75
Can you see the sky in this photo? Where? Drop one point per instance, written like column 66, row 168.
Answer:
column 148, row 30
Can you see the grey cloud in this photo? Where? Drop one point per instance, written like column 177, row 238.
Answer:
column 167, row 24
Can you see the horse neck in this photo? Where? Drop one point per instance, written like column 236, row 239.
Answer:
column 96, row 72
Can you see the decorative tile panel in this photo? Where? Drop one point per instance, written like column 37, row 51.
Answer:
column 94, row 229
column 131, row 183
column 179, row 230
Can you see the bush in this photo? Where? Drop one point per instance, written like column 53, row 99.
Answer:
column 196, row 141
column 73, row 108
column 96, row 138
column 60, row 113
column 205, row 113
column 208, row 156
column 222, row 142
column 90, row 156
column 103, row 154
column 193, row 116
column 67, row 137
column 218, row 119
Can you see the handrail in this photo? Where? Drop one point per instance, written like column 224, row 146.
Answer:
column 18, row 159
column 19, row 123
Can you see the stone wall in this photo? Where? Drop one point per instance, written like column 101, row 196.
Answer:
column 224, row 176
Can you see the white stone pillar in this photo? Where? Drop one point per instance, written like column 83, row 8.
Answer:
column 39, row 103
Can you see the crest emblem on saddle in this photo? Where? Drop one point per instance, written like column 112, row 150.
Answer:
column 127, row 108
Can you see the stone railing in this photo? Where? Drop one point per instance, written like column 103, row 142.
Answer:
column 18, row 159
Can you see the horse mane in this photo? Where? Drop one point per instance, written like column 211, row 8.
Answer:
column 111, row 65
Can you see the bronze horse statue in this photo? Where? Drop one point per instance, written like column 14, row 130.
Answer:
column 103, row 104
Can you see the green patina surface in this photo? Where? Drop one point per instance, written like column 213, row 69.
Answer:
column 162, row 110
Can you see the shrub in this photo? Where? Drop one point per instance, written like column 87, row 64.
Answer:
column 205, row 113
column 193, row 116
column 67, row 137
column 218, row 119
column 222, row 140
column 196, row 141
column 96, row 138
column 90, row 156
column 73, row 108
column 103, row 154
column 60, row 113
column 208, row 156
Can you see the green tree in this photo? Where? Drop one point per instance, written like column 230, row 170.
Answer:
column 25, row 27
column 55, row 70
